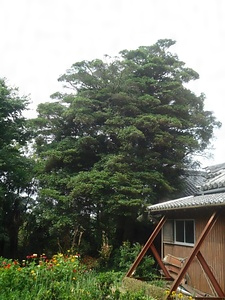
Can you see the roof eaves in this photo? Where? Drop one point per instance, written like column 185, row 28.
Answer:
column 203, row 200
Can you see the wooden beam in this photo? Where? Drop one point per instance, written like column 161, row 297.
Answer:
column 161, row 264
column 210, row 275
column 146, row 247
column 195, row 251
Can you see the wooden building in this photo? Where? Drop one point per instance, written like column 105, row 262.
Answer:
column 192, row 239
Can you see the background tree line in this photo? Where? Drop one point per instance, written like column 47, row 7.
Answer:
column 116, row 141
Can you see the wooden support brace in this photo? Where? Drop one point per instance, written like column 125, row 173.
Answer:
column 149, row 244
column 161, row 264
column 210, row 275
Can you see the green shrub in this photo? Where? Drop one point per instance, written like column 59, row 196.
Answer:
column 125, row 256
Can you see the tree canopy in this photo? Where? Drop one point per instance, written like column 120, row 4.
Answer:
column 117, row 140
column 15, row 168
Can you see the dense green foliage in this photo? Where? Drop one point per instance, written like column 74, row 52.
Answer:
column 60, row 277
column 15, row 168
column 115, row 143
column 126, row 254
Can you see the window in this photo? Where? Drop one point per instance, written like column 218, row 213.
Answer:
column 184, row 232
column 179, row 232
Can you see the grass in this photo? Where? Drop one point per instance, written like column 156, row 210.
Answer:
column 148, row 289
column 151, row 289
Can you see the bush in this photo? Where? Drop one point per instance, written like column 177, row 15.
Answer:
column 125, row 256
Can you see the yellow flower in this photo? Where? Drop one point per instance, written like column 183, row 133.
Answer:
column 173, row 294
column 180, row 295
column 167, row 292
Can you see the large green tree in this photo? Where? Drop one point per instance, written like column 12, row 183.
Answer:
column 116, row 141
column 15, row 168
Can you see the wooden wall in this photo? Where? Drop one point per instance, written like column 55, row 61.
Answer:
column 213, row 250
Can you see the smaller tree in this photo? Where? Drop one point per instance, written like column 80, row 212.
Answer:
column 15, row 168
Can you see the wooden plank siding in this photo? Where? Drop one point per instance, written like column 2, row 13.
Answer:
column 213, row 250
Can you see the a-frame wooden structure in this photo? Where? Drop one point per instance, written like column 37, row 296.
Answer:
column 194, row 253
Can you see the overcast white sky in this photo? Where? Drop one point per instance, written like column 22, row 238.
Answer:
column 40, row 39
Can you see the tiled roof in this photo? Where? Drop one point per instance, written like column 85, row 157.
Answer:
column 215, row 168
column 212, row 177
column 207, row 200
column 193, row 181
column 215, row 177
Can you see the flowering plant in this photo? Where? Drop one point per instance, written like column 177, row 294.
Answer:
column 39, row 275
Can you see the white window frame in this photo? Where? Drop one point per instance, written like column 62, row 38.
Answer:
column 183, row 243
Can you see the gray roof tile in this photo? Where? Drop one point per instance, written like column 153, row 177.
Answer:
column 206, row 200
column 215, row 180
column 193, row 181
column 212, row 177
